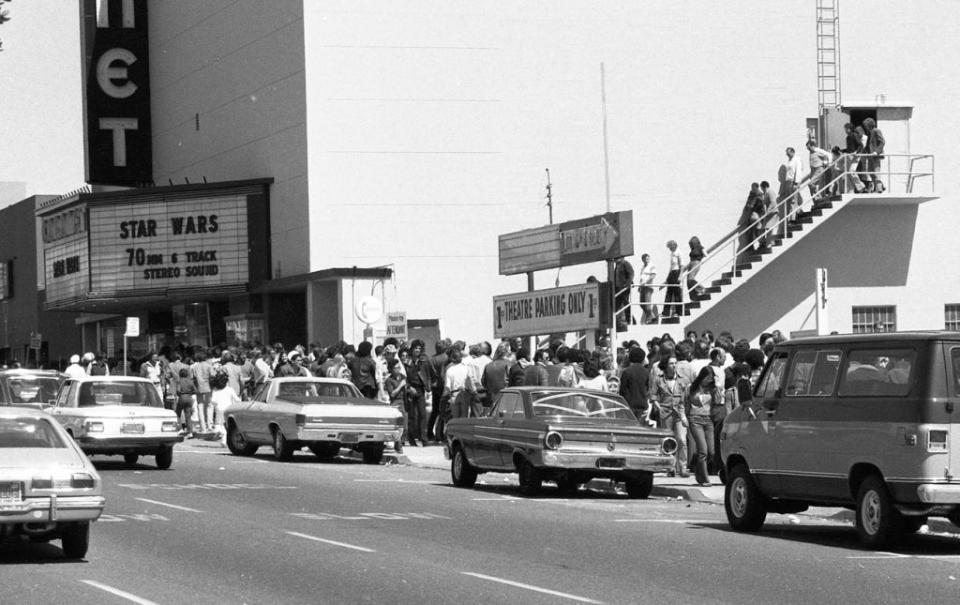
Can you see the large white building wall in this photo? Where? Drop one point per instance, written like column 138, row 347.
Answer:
column 228, row 103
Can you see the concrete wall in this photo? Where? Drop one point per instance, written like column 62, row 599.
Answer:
column 239, row 66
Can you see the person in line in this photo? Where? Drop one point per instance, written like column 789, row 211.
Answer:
column 593, row 378
column 694, row 288
column 748, row 224
column 623, row 283
column 669, row 393
column 819, row 161
column 186, row 399
column 222, row 396
column 536, row 374
column 769, row 215
column 789, row 176
column 202, row 372
column 458, row 387
column 417, row 371
column 436, row 365
column 648, row 275
column 698, row 405
column 874, row 151
column 396, row 387
column 635, row 383
column 672, row 303
column 75, row 370
column 852, row 164
column 363, row 370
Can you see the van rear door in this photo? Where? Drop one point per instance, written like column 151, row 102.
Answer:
column 953, row 407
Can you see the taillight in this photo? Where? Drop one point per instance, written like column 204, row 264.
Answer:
column 301, row 419
column 553, row 440
column 82, row 480
column 170, row 426
column 94, row 427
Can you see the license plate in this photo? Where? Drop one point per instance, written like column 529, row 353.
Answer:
column 11, row 493
column 131, row 427
column 611, row 462
column 348, row 438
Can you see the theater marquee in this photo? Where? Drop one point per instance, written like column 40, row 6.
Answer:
column 148, row 246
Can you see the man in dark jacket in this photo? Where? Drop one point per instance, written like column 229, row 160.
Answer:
column 436, row 365
column 623, row 282
column 494, row 377
column 635, row 384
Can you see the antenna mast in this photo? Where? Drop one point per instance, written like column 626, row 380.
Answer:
column 549, row 196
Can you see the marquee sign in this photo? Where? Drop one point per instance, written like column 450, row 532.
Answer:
column 117, row 97
column 567, row 309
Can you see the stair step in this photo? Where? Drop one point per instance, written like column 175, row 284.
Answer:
column 712, row 290
column 694, row 304
column 744, row 266
column 669, row 320
column 791, row 229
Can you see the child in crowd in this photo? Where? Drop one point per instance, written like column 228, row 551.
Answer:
column 222, row 396
column 396, row 387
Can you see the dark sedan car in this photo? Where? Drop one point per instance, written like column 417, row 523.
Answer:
column 565, row 435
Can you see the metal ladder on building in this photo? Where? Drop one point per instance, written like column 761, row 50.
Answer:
column 828, row 53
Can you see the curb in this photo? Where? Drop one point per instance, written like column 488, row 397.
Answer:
column 693, row 494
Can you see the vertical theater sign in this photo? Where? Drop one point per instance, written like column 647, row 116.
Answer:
column 117, row 92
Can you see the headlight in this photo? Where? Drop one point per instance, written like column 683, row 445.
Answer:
column 668, row 445
column 94, row 427
column 553, row 440
column 170, row 426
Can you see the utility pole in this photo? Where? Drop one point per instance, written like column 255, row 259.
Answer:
column 549, row 196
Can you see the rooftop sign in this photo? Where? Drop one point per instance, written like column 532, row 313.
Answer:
column 587, row 240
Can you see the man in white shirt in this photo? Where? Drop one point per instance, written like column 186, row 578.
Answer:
column 789, row 175
column 648, row 273
column 75, row 370
column 819, row 160
column 458, row 385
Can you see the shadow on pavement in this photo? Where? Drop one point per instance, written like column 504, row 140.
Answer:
column 21, row 551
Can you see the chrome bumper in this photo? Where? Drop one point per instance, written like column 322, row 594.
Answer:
column 52, row 508
column 113, row 444
column 349, row 435
column 939, row 494
column 607, row 461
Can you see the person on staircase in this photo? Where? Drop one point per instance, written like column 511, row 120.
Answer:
column 623, row 284
column 672, row 301
column 819, row 161
column 874, row 151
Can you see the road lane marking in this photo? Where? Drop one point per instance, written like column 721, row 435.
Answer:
column 555, row 593
column 397, row 481
column 120, row 593
column 368, row 516
column 316, row 539
column 659, row 520
column 220, row 486
column 176, row 506
column 121, row 517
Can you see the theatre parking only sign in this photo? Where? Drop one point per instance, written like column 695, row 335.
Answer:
column 566, row 309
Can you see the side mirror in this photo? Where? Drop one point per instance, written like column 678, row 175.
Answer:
column 744, row 392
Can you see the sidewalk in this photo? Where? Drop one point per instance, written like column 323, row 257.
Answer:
column 432, row 456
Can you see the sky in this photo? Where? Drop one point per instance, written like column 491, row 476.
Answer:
column 700, row 106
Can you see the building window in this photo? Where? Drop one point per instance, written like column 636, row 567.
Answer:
column 874, row 319
column 951, row 317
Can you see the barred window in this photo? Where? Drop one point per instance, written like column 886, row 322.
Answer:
column 951, row 317
column 874, row 319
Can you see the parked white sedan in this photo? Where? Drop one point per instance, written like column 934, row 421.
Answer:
column 48, row 488
column 323, row 414
column 112, row 415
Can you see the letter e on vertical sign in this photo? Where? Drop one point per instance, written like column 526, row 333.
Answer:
column 117, row 92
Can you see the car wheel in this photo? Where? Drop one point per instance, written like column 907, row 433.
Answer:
column 745, row 505
column 164, row 457
column 373, row 454
column 640, row 486
column 325, row 450
column 530, row 479
column 76, row 540
column 462, row 474
column 878, row 522
column 131, row 459
column 282, row 450
column 237, row 443
column 912, row 524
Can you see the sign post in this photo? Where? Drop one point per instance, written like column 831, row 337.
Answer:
column 132, row 331
column 820, row 296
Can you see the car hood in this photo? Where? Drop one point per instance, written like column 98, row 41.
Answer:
column 39, row 459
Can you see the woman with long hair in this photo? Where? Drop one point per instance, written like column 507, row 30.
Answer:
column 700, row 399
column 693, row 267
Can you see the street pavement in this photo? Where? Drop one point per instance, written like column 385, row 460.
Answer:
column 218, row 528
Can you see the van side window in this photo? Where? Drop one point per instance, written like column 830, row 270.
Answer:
column 955, row 362
column 814, row 374
column 878, row 372
column 774, row 376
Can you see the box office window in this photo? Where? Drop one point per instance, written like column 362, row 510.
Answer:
column 813, row 374
column 878, row 372
column 951, row 317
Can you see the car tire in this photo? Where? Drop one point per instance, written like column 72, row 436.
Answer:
column 325, row 450
column 164, row 457
column 282, row 450
column 878, row 522
column 461, row 472
column 76, row 540
column 745, row 505
column 373, row 454
column 640, row 486
column 237, row 442
column 530, row 479
column 131, row 459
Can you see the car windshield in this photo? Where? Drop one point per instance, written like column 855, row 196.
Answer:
column 118, row 393
column 28, row 432
column 32, row 389
column 586, row 405
column 298, row 391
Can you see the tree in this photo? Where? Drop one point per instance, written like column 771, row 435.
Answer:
column 4, row 17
